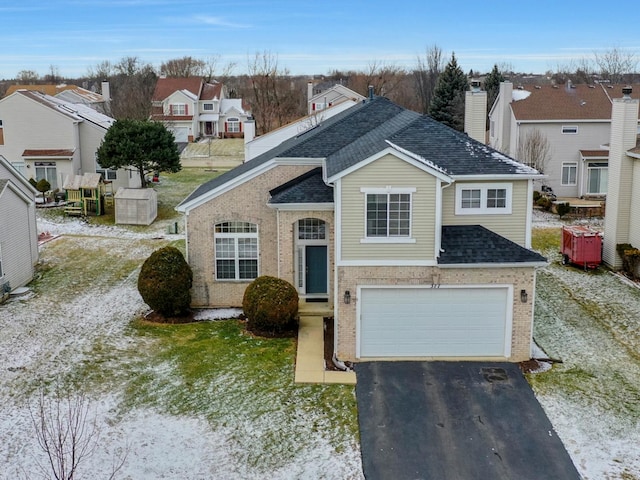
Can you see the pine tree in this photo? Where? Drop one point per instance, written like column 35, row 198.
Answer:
column 447, row 105
column 492, row 85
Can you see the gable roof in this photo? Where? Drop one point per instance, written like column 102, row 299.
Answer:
column 27, row 187
column 475, row 244
column 366, row 129
column 74, row 111
column 48, row 89
column 165, row 86
column 566, row 102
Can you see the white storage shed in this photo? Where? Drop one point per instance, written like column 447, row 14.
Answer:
column 136, row 206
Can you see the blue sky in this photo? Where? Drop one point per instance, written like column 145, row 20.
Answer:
column 308, row 37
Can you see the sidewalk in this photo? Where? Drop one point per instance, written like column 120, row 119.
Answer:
column 310, row 355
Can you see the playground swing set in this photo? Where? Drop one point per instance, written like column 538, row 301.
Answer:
column 87, row 194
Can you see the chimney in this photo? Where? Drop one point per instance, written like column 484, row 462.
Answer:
column 475, row 112
column 249, row 135
column 618, row 225
column 309, row 95
column 106, row 93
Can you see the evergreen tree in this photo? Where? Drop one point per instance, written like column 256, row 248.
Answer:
column 447, row 105
column 144, row 145
column 492, row 85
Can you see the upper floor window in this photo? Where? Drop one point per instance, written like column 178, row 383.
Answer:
column 20, row 167
column 388, row 213
column 236, row 251
column 569, row 173
column 233, row 125
column 483, row 198
column 207, row 106
column 570, row 129
column 178, row 109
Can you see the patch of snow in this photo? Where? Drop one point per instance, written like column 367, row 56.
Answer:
column 518, row 95
column 217, row 313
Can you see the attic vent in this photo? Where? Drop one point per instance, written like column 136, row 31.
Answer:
column 520, row 87
column 582, row 103
column 626, row 92
column 538, row 87
column 592, row 86
column 555, row 86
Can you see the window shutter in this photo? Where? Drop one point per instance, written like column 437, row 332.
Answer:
column 226, row 129
column 186, row 109
column 313, row 107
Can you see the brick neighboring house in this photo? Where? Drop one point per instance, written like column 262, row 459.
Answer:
column 576, row 121
column 192, row 108
column 417, row 236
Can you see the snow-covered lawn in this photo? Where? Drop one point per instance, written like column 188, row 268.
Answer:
column 590, row 321
column 77, row 327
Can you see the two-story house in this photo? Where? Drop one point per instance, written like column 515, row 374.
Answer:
column 46, row 137
column 575, row 120
column 191, row 108
column 415, row 234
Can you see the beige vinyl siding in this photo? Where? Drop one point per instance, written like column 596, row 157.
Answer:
column 388, row 171
column 511, row 226
column 634, row 217
column 17, row 237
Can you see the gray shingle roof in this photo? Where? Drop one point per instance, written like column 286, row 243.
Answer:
column 307, row 188
column 469, row 244
column 365, row 129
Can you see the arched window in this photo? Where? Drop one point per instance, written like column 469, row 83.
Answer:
column 236, row 251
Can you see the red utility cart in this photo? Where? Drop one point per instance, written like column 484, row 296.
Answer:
column 581, row 246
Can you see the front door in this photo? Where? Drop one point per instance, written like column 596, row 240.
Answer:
column 316, row 269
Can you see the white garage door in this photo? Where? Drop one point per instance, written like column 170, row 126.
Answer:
column 181, row 134
column 442, row 322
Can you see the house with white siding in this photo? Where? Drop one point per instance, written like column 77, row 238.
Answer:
column 18, row 233
column 415, row 236
column 45, row 137
column 576, row 122
column 191, row 108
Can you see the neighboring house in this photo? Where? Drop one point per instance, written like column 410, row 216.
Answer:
column 575, row 120
column 254, row 147
column 622, row 221
column 69, row 93
column 416, row 235
column 45, row 137
column 18, row 234
column 319, row 99
column 192, row 108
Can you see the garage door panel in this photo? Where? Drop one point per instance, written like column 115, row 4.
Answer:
column 433, row 322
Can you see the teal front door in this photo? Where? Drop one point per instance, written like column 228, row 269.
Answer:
column 316, row 269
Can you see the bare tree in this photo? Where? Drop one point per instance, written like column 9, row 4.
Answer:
column 183, row 67
column 273, row 97
column 101, row 71
column 615, row 63
column 426, row 75
column 535, row 150
column 67, row 432
column 53, row 76
column 27, row 77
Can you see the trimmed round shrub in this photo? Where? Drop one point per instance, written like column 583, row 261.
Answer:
column 270, row 305
column 165, row 282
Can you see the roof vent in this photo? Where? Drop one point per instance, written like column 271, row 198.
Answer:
column 475, row 85
column 370, row 92
column 592, row 86
column 538, row 87
column 626, row 92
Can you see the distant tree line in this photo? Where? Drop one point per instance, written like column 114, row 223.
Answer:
column 276, row 97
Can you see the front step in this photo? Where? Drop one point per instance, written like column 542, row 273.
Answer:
column 314, row 309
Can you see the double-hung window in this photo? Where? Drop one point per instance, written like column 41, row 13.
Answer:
column 569, row 173
column 388, row 214
column 178, row 109
column 483, row 198
column 236, row 250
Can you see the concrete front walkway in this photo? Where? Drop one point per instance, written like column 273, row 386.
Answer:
column 310, row 354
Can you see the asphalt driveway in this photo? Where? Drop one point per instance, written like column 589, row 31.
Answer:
column 454, row 420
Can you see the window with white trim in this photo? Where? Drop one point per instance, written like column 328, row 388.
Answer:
column 483, row 198
column 233, row 125
column 20, row 168
column 569, row 129
column 178, row 109
column 236, row 251
column 569, row 173
column 207, row 107
column 107, row 173
column 47, row 170
column 388, row 213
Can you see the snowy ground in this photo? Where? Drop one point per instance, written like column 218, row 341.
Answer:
column 43, row 338
column 589, row 321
